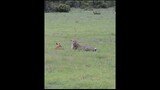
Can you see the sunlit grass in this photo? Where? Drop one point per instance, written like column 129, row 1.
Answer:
column 79, row 69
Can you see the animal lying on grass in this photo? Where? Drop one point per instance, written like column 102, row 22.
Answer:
column 59, row 47
column 75, row 45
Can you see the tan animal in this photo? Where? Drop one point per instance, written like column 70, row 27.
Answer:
column 75, row 45
column 59, row 47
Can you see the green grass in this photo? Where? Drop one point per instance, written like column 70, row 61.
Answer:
column 69, row 69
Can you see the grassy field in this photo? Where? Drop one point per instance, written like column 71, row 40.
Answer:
column 69, row 69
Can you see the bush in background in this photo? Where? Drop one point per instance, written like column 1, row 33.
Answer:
column 56, row 7
column 65, row 5
column 63, row 8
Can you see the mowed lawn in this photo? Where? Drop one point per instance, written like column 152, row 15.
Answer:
column 69, row 69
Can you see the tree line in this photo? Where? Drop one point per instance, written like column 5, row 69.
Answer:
column 65, row 5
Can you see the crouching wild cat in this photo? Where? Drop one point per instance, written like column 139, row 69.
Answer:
column 76, row 46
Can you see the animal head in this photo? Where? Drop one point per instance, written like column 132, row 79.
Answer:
column 58, row 46
column 73, row 41
column 74, row 44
